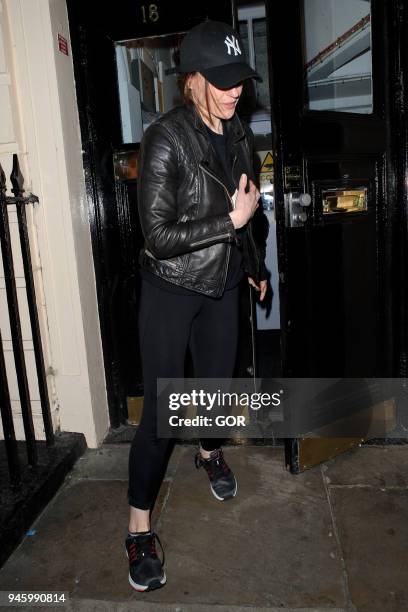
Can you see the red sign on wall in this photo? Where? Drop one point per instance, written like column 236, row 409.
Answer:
column 62, row 44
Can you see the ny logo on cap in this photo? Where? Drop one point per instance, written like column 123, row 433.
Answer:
column 232, row 45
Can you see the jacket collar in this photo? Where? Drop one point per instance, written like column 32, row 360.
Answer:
column 235, row 132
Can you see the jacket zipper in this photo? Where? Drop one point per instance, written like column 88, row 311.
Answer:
column 205, row 241
column 232, row 204
column 218, row 181
column 233, row 166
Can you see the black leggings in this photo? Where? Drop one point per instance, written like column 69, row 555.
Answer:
column 168, row 325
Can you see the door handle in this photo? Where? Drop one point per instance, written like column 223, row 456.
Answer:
column 295, row 205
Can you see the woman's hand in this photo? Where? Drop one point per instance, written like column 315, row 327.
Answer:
column 246, row 203
column 262, row 287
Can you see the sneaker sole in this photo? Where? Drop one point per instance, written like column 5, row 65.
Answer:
column 156, row 584
column 228, row 496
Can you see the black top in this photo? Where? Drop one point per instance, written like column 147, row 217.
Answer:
column 223, row 151
column 235, row 273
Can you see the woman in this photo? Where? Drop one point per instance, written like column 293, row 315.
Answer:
column 196, row 197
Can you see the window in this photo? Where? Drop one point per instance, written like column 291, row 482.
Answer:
column 337, row 52
column 252, row 28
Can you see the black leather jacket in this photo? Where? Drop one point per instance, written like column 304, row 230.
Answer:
column 184, row 205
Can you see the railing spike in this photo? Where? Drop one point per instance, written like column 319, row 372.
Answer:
column 16, row 177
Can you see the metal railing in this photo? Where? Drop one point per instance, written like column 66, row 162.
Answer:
column 20, row 201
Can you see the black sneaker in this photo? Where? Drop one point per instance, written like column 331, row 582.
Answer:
column 145, row 568
column 222, row 479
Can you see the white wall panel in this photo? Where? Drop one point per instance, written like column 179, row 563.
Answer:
column 49, row 144
column 12, row 141
column 6, row 120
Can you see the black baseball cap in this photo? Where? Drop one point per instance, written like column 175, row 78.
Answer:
column 215, row 50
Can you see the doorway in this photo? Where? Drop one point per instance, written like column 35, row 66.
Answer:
column 147, row 89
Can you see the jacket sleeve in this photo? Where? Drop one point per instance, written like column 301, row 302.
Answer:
column 165, row 235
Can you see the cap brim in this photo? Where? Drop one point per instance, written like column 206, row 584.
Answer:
column 229, row 75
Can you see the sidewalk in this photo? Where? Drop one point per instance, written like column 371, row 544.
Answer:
column 333, row 538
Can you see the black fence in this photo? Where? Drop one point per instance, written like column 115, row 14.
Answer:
column 11, row 445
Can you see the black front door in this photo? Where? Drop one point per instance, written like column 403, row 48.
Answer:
column 331, row 80
column 112, row 67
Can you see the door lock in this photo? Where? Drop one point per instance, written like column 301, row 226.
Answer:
column 295, row 205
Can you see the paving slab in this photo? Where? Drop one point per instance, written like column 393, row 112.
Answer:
column 78, row 544
column 105, row 463
column 373, row 530
column 381, row 466
column 110, row 462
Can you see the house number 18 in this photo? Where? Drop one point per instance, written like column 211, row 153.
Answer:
column 150, row 13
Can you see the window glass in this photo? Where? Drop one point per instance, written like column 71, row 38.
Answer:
column 261, row 62
column 146, row 90
column 337, row 51
column 255, row 97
